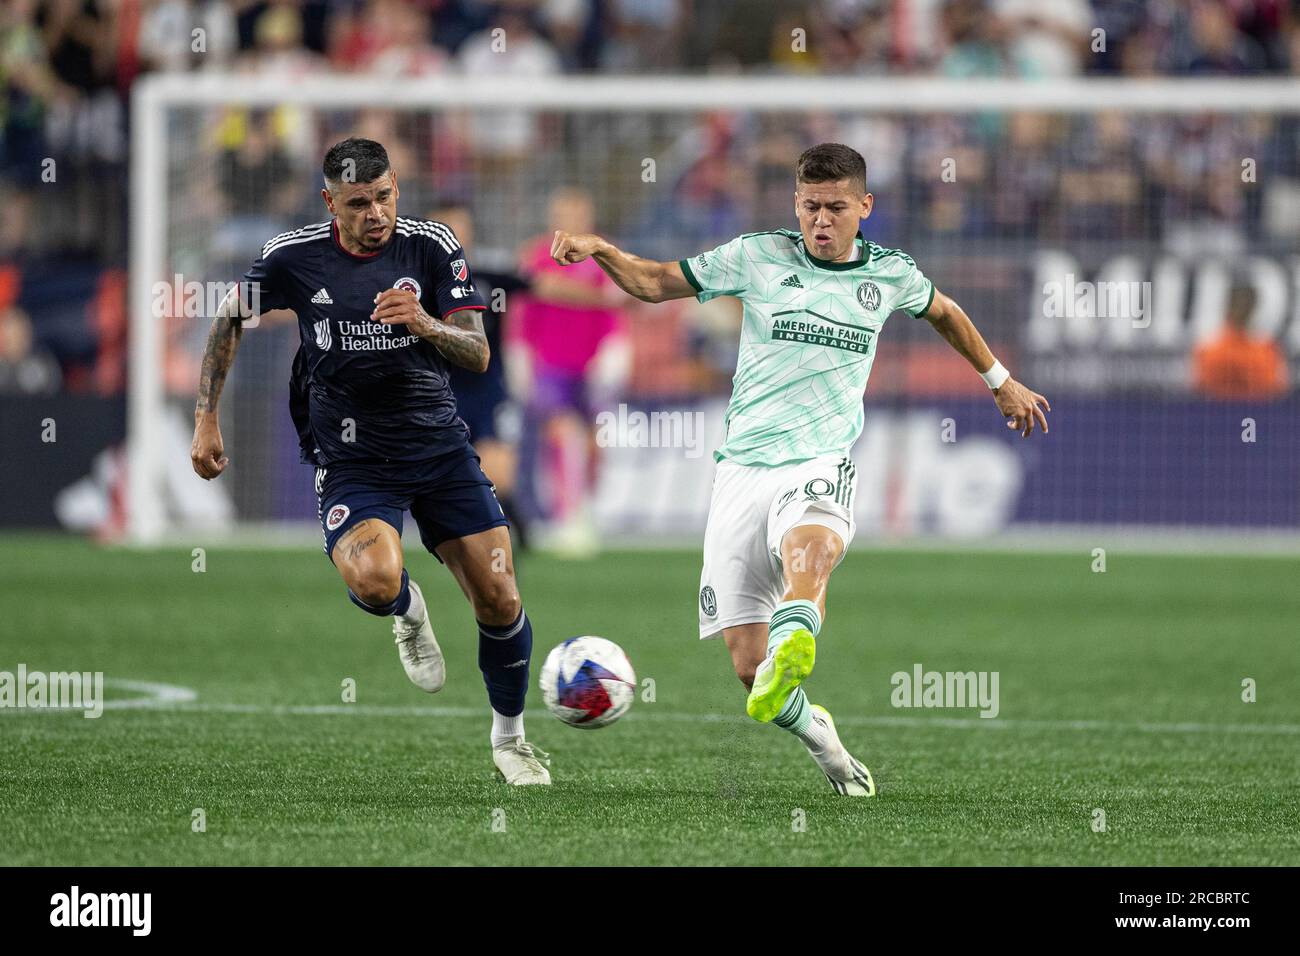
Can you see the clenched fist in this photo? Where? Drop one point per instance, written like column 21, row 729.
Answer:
column 401, row 307
column 569, row 248
column 207, row 454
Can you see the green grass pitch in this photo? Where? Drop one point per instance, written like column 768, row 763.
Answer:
column 1119, row 691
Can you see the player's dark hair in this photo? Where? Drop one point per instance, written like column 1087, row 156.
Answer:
column 831, row 162
column 355, row 161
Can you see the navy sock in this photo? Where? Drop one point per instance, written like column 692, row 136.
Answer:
column 398, row 605
column 503, row 655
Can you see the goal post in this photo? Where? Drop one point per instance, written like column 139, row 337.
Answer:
column 201, row 190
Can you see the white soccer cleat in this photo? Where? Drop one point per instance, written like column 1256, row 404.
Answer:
column 419, row 651
column 521, row 763
column 842, row 769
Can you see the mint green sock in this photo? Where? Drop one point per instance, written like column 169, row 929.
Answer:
column 796, row 715
column 788, row 617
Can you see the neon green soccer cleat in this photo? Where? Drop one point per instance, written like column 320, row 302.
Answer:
column 779, row 674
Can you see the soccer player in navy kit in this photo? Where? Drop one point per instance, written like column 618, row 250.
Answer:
column 385, row 306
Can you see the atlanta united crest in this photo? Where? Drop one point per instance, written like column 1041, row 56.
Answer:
column 407, row 284
column 869, row 296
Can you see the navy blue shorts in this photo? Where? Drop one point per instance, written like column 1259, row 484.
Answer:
column 449, row 497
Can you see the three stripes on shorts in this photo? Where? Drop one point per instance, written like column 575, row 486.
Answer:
column 846, row 474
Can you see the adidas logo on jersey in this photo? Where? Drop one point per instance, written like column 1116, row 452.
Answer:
column 791, row 282
column 322, row 298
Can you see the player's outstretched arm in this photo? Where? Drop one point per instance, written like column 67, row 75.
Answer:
column 645, row 279
column 207, row 453
column 1017, row 403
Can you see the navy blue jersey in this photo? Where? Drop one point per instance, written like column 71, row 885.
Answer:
column 362, row 391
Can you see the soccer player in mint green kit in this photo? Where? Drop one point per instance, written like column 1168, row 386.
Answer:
column 781, row 514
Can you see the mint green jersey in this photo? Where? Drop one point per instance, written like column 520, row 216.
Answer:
column 807, row 340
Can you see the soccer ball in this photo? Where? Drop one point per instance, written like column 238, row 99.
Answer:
column 588, row 682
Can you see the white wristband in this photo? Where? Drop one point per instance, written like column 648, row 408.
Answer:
column 995, row 377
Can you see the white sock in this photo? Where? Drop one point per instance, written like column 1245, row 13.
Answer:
column 816, row 735
column 417, row 610
column 506, row 729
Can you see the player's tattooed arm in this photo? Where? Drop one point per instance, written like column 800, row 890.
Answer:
column 223, row 342
column 459, row 337
column 207, row 452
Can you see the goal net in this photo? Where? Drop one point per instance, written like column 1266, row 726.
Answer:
column 1127, row 249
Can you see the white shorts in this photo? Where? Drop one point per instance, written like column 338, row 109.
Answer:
column 751, row 510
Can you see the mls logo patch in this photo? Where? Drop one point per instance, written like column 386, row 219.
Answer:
column 869, row 296
column 708, row 601
column 407, row 284
column 338, row 514
column 459, row 270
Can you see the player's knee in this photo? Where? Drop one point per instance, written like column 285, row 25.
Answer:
column 822, row 562
column 498, row 603
column 746, row 667
column 812, row 554
column 377, row 586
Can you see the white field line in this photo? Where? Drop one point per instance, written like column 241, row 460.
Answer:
column 158, row 695
column 174, row 699
column 645, row 713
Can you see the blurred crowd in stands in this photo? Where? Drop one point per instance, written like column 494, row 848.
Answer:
column 67, row 67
